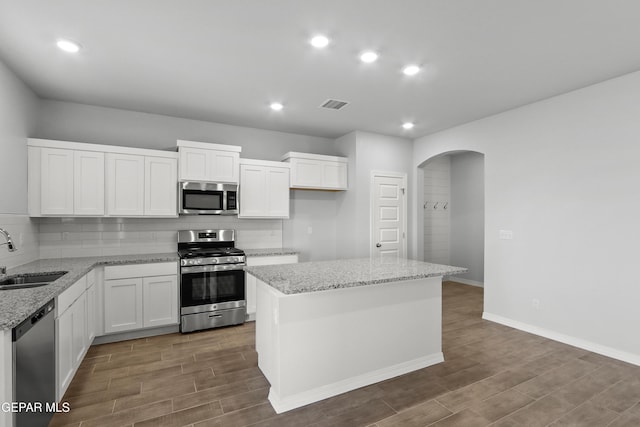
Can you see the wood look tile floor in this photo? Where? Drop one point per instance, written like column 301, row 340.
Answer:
column 492, row 375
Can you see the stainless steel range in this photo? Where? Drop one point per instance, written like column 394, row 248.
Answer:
column 212, row 292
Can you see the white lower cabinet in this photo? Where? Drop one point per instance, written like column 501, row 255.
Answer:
column 123, row 304
column 160, row 301
column 140, row 296
column 91, row 312
column 250, row 281
column 72, row 340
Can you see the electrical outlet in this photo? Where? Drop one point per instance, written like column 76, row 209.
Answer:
column 505, row 234
column 309, row 230
column 535, row 303
column 65, row 235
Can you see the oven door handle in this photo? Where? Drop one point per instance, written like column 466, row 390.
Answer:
column 211, row 268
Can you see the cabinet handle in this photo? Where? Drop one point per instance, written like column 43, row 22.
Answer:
column 378, row 245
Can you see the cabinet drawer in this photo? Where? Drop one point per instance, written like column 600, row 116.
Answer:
column 140, row 270
column 71, row 294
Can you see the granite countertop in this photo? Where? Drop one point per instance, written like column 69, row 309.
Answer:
column 270, row 252
column 18, row 304
column 324, row 275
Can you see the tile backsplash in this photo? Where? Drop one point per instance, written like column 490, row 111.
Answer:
column 72, row 237
column 24, row 233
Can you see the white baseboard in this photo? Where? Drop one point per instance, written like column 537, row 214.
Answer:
column 300, row 399
column 466, row 281
column 566, row 339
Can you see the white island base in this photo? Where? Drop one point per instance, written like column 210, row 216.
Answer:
column 315, row 345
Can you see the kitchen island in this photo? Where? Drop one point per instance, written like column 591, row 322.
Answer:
column 325, row 328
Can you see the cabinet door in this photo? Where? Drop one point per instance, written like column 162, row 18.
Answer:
column 160, row 186
column 71, row 342
column 306, row 173
column 195, row 164
column 125, row 184
column 334, row 175
column 225, row 166
column 91, row 314
column 79, row 314
column 64, row 352
column 88, row 183
column 160, row 300
column 253, row 191
column 122, row 305
column 277, row 192
column 56, row 182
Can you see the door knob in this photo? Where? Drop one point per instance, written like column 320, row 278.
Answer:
column 378, row 245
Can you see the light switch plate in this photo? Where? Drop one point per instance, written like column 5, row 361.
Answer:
column 506, row 234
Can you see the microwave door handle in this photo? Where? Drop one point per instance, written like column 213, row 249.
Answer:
column 211, row 268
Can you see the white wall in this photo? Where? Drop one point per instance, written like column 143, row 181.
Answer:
column 367, row 152
column 563, row 175
column 466, row 213
column 346, row 212
column 99, row 125
column 436, row 208
column 18, row 107
column 17, row 117
column 311, row 227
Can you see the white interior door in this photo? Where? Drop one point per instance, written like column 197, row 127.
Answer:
column 388, row 206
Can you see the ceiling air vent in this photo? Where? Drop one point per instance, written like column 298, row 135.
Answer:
column 334, row 104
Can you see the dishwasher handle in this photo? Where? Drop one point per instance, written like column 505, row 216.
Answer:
column 29, row 322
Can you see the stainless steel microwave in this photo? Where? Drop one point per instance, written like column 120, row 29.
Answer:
column 207, row 198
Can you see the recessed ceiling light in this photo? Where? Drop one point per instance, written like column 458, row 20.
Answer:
column 407, row 125
column 68, row 45
column 276, row 106
column 319, row 41
column 411, row 70
column 369, row 57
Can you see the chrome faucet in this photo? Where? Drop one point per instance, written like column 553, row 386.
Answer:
column 10, row 245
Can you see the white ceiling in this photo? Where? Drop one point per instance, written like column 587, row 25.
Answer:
column 226, row 60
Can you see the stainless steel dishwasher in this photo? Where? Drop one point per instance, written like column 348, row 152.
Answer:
column 34, row 368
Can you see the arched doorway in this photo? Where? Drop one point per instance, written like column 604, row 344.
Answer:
column 451, row 212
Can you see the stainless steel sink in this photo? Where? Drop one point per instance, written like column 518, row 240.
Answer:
column 31, row 280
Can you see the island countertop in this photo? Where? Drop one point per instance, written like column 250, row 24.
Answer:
column 324, row 275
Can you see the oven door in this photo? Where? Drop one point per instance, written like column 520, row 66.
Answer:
column 211, row 287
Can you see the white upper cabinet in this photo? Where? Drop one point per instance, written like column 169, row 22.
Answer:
column 125, row 185
column 160, row 186
column 200, row 161
column 317, row 172
column 264, row 189
column 88, row 183
column 65, row 182
column 195, row 164
column 76, row 179
column 56, row 181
